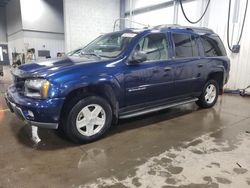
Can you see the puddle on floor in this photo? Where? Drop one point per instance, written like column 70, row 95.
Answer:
column 215, row 165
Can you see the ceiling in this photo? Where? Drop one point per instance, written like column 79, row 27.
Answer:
column 3, row 3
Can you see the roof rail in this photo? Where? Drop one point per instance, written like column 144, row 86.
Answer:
column 167, row 26
column 125, row 19
column 176, row 26
column 200, row 29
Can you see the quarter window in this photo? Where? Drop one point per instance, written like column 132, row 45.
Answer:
column 212, row 46
column 185, row 45
column 155, row 46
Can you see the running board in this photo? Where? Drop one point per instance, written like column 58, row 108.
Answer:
column 149, row 110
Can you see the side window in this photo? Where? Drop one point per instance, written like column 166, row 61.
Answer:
column 212, row 46
column 155, row 46
column 185, row 45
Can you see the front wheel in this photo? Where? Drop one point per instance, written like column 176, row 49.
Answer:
column 88, row 119
column 209, row 95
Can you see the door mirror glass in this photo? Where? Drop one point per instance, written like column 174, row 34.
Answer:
column 138, row 57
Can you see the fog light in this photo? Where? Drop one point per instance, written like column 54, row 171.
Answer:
column 30, row 114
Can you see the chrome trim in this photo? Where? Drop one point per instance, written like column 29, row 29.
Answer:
column 156, row 109
column 137, row 89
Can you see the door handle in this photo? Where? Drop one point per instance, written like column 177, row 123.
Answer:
column 167, row 68
column 200, row 65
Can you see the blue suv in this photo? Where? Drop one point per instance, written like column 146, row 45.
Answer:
column 120, row 75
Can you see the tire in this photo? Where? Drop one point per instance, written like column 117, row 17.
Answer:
column 87, row 119
column 207, row 100
column 242, row 93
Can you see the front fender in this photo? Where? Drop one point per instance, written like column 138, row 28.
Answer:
column 92, row 81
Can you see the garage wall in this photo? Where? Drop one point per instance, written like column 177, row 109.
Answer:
column 85, row 20
column 44, row 41
column 14, row 27
column 168, row 12
column 3, row 31
column 240, row 63
column 43, row 25
column 42, row 15
column 15, row 45
column 13, row 17
column 215, row 18
column 164, row 16
column 35, row 24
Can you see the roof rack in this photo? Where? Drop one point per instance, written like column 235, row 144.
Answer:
column 125, row 19
column 176, row 26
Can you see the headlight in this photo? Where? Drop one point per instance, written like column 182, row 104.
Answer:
column 37, row 88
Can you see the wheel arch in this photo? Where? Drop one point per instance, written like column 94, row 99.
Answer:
column 103, row 90
column 218, row 76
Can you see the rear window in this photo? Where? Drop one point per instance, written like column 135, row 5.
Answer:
column 213, row 46
column 185, row 45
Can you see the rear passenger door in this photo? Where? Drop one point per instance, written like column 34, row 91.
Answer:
column 188, row 68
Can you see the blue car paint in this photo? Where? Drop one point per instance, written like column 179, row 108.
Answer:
column 44, row 110
column 132, row 84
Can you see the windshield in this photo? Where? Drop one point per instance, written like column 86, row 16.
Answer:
column 106, row 46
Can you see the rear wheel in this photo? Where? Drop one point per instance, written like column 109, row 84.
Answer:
column 209, row 95
column 88, row 119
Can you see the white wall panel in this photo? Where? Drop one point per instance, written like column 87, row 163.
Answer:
column 217, row 20
column 189, row 8
column 15, row 45
column 85, row 20
column 142, row 3
column 164, row 16
column 53, row 45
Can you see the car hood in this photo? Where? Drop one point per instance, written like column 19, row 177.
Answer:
column 51, row 66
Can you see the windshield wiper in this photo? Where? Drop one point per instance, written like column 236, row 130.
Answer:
column 93, row 54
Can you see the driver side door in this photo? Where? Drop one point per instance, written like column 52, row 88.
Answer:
column 151, row 80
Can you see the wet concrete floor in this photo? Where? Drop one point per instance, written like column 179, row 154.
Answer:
column 178, row 147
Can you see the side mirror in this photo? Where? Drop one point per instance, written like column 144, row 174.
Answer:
column 138, row 57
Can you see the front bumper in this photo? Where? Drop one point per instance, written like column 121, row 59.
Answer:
column 40, row 113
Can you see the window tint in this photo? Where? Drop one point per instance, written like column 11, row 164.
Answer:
column 185, row 45
column 155, row 46
column 212, row 46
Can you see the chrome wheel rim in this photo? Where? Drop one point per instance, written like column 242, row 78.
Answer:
column 210, row 94
column 90, row 120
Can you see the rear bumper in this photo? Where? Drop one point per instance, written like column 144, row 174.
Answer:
column 40, row 113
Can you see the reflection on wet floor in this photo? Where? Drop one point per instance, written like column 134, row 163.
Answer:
column 41, row 138
column 144, row 146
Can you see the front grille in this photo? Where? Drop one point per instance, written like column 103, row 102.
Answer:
column 19, row 84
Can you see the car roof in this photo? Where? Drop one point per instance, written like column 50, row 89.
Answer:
column 173, row 27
